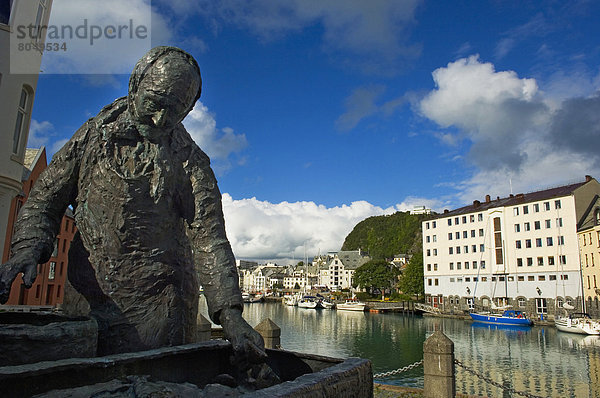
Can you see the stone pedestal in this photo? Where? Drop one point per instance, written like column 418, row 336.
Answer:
column 438, row 366
column 203, row 328
column 270, row 332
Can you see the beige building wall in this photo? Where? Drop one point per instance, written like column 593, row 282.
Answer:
column 589, row 247
column 17, row 92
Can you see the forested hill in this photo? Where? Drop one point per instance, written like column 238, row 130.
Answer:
column 385, row 236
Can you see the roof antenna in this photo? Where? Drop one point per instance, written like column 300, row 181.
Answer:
column 510, row 182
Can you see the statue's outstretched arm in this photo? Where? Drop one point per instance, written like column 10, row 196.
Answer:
column 39, row 220
column 214, row 258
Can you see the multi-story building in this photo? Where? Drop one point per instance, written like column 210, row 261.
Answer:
column 48, row 288
column 18, row 81
column 589, row 254
column 520, row 250
column 339, row 273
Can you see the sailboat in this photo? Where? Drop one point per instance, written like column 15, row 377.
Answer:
column 503, row 313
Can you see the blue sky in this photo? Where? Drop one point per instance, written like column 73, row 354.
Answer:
column 318, row 114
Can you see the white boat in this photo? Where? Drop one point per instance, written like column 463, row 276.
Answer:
column 308, row 302
column 249, row 298
column 291, row 300
column 327, row 304
column 351, row 305
column 579, row 323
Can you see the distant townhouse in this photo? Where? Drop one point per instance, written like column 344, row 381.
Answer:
column 339, row 273
column 589, row 253
column 299, row 279
column 521, row 250
column 259, row 279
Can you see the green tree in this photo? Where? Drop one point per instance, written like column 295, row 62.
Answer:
column 375, row 274
column 411, row 281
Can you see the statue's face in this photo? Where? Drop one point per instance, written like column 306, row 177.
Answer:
column 166, row 92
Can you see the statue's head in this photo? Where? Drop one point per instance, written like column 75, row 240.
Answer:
column 164, row 86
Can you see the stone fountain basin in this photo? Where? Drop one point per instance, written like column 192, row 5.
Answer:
column 28, row 337
column 303, row 375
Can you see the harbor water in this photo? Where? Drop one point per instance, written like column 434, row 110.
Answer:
column 539, row 360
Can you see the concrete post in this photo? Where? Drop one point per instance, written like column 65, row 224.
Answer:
column 203, row 328
column 438, row 366
column 270, row 332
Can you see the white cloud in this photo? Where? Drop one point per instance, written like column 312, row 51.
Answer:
column 263, row 230
column 115, row 48
column 219, row 144
column 521, row 138
column 39, row 133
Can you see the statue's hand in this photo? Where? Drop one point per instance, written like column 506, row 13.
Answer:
column 248, row 345
column 20, row 262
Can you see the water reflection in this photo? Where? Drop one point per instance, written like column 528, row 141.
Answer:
column 539, row 360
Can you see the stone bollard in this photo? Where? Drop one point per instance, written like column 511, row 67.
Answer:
column 438, row 366
column 203, row 328
column 270, row 332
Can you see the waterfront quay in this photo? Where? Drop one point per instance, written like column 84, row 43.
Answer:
column 538, row 360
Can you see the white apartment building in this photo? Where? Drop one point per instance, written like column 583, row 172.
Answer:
column 17, row 91
column 339, row 272
column 520, row 250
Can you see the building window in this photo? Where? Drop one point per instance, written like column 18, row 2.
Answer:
column 457, row 235
column 480, row 217
column 427, row 239
column 527, row 226
column 426, row 225
column 482, row 266
column 466, row 265
column 449, row 221
column 540, row 261
column 561, row 240
column 522, row 302
column 428, row 282
column 529, row 261
column 451, row 266
column 458, row 265
column 39, row 20
column 449, row 235
column 465, row 235
column 519, row 262
column 516, row 211
column 52, row 270
column 474, row 248
column 5, row 8
column 536, row 207
column 538, row 242
column 527, row 243
column 472, row 218
column 559, row 222
column 434, row 238
column 466, row 248
column 482, row 247
column 597, row 217
column 557, row 204
column 456, row 220
column 549, row 241
column 428, row 267
column 433, row 224
column 517, row 227
column 518, row 244
column 472, row 233
column 550, row 260
column 435, row 252
column 464, row 219
column 21, row 125
column 548, row 224
column 525, row 209
column 531, row 278
column 436, row 282
column 450, row 249
column 562, row 259
column 435, row 267
column 481, row 232
column 537, row 225
column 546, row 206
column 474, row 266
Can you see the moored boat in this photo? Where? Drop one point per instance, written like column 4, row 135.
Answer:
column 508, row 317
column 291, row 300
column 351, row 305
column 327, row 304
column 308, row 302
column 578, row 322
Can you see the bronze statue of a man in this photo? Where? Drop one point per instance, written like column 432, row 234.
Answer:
column 149, row 214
